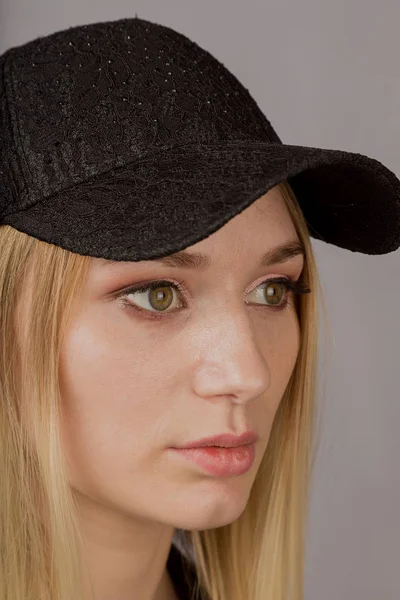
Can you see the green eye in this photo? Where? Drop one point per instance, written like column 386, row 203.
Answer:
column 160, row 298
column 273, row 291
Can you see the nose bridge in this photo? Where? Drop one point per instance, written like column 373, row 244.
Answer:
column 231, row 360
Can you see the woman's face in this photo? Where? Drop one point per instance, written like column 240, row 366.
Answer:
column 218, row 360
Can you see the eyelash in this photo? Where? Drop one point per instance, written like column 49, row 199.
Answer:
column 297, row 287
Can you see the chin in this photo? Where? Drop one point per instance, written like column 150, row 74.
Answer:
column 209, row 508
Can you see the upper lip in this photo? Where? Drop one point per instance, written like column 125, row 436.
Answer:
column 226, row 440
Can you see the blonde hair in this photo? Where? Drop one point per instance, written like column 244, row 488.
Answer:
column 260, row 556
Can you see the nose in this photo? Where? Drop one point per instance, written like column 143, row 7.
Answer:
column 231, row 362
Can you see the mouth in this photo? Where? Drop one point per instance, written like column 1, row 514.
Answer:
column 221, row 461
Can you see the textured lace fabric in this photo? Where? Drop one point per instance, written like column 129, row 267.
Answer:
column 87, row 99
column 126, row 140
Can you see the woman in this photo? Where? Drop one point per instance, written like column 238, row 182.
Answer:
column 158, row 286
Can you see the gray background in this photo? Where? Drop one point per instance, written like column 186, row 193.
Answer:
column 327, row 74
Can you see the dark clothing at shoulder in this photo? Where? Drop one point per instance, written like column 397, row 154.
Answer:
column 184, row 580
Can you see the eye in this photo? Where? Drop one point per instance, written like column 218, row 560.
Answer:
column 273, row 291
column 158, row 296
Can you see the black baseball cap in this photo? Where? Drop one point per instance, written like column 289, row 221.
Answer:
column 125, row 140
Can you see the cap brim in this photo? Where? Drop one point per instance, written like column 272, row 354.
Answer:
column 175, row 197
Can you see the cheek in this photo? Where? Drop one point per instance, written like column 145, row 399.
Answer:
column 280, row 347
column 112, row 401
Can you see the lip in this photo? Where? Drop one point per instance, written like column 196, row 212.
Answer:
column 221, row 462
column 223, row 440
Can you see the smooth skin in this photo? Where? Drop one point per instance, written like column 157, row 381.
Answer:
column 133, row 387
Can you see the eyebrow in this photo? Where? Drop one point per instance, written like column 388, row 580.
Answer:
column 196, row 260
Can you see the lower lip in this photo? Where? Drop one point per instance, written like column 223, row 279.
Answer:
column 221, row 461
